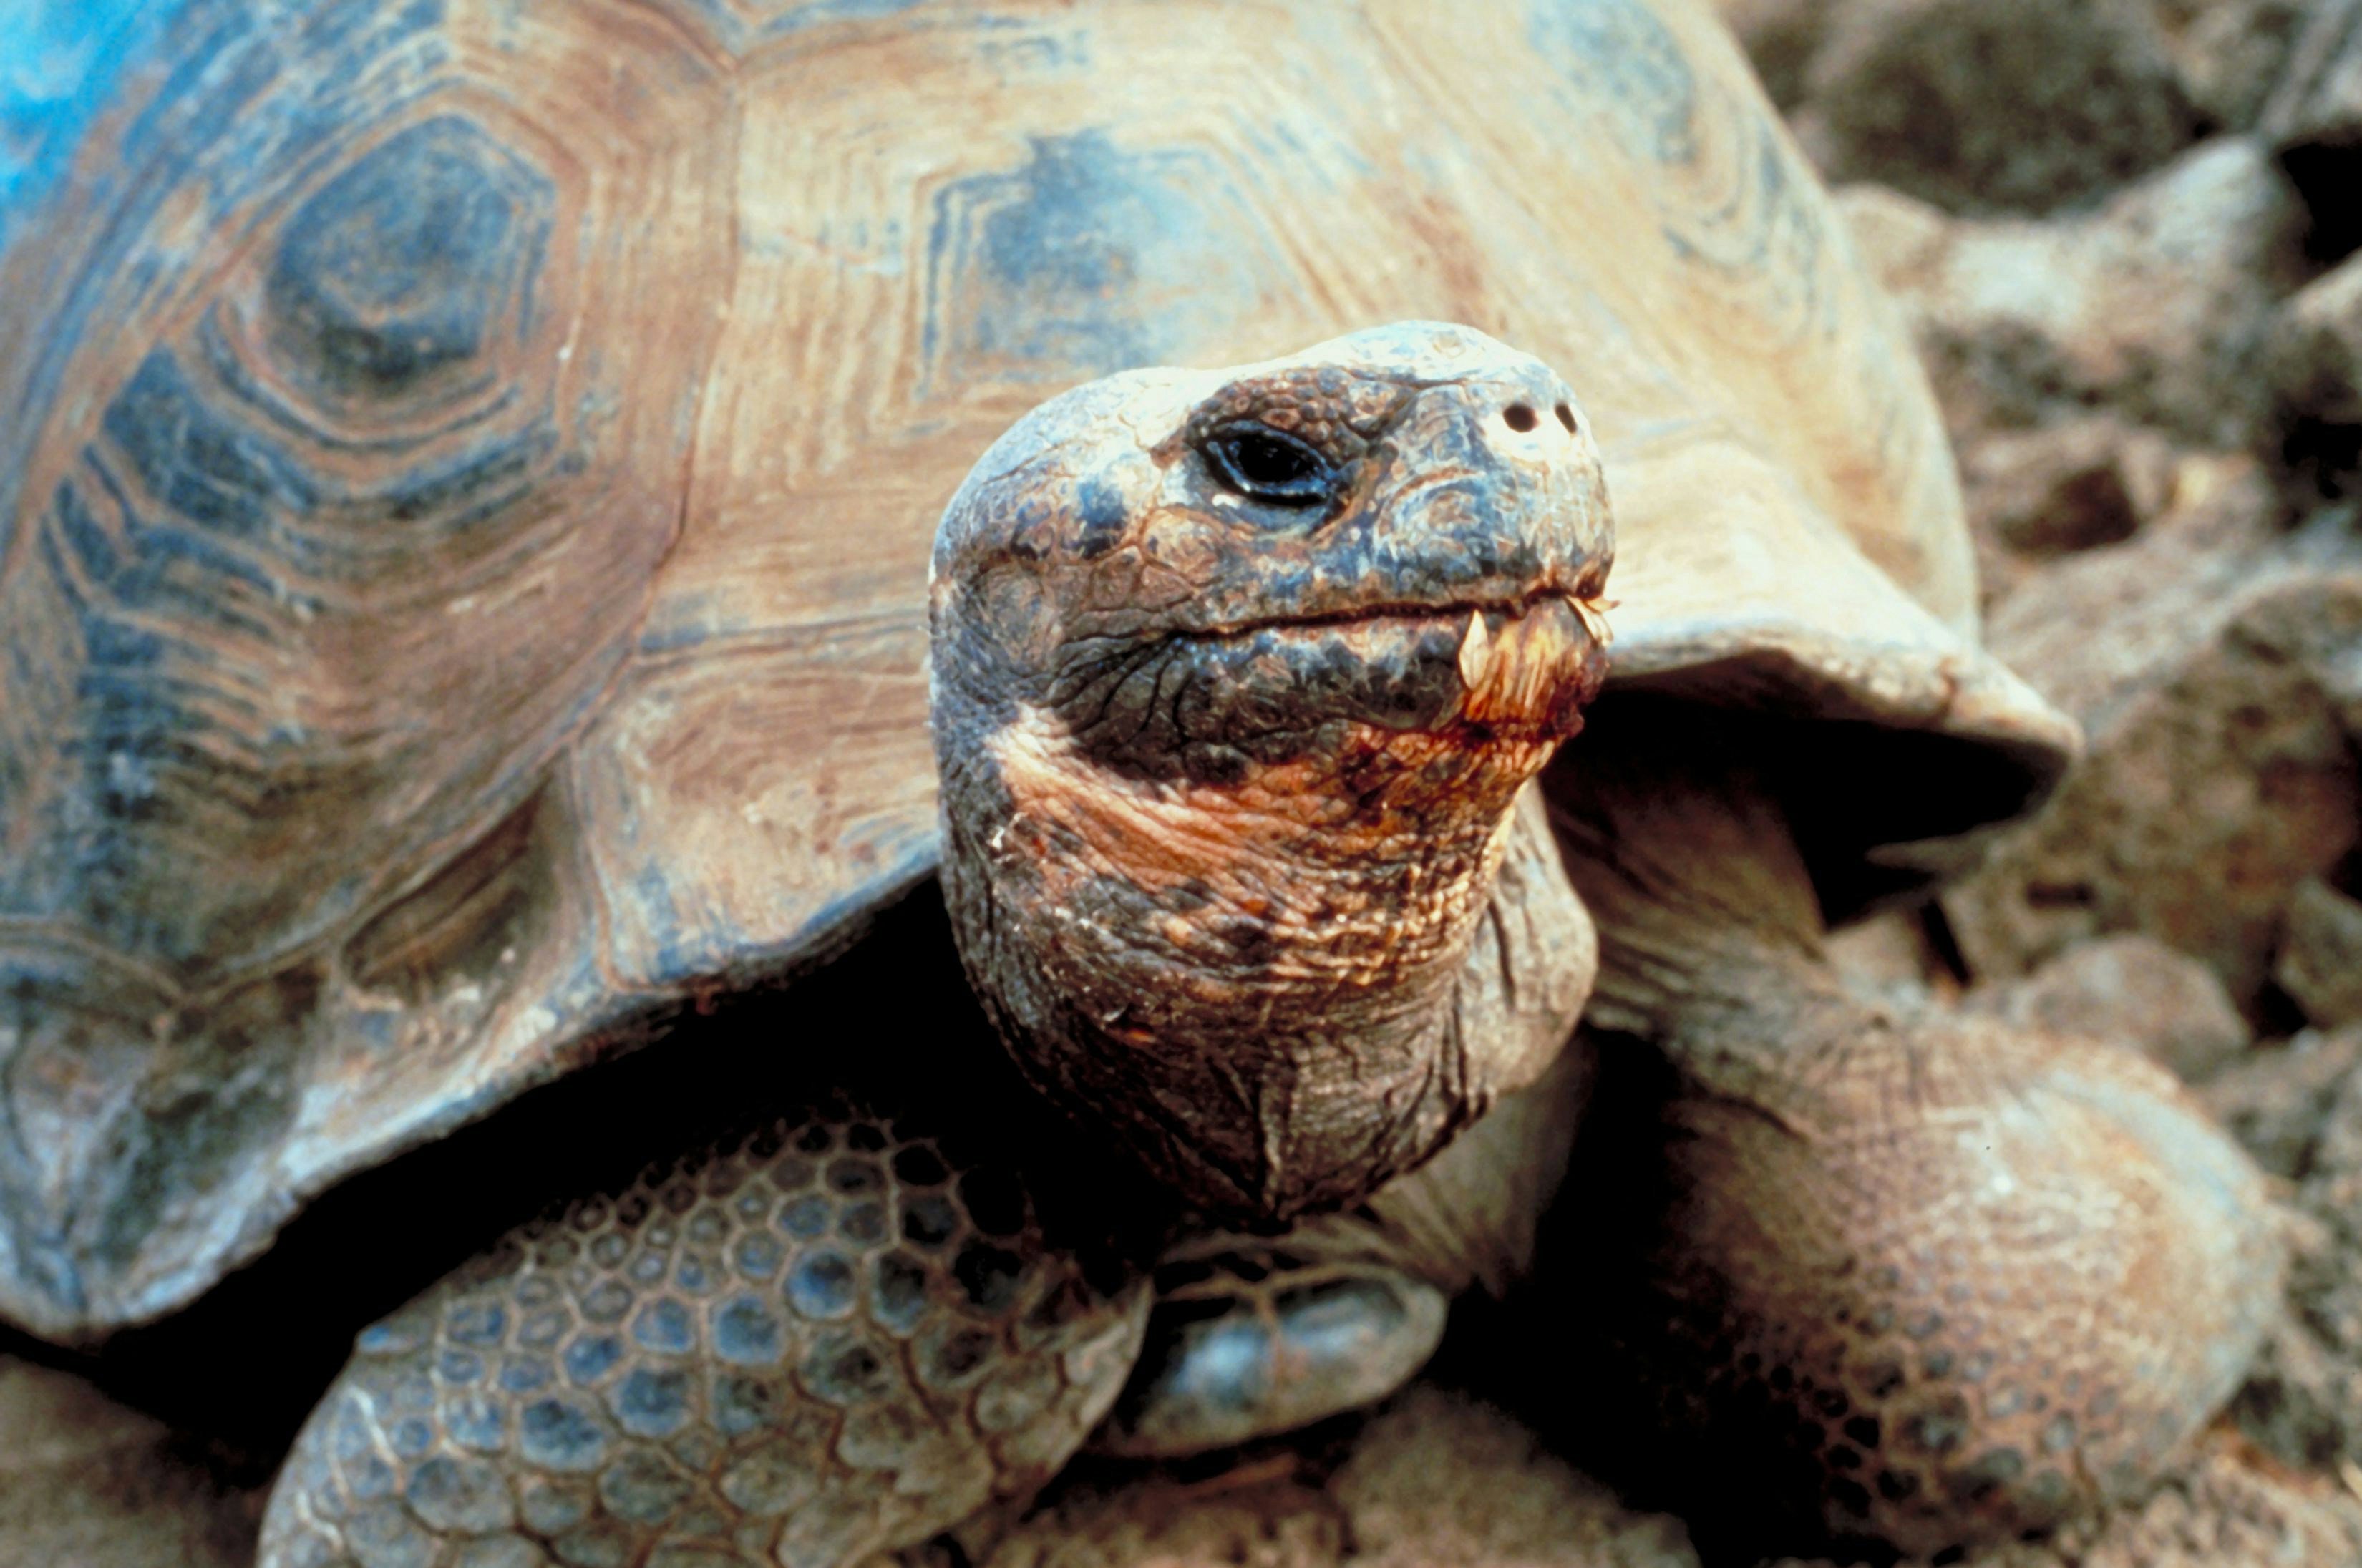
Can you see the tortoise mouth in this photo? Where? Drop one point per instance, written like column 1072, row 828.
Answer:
column 1210, row 705
column 1496, row 609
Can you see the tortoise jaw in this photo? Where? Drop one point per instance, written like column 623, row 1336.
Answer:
column 1503, row 604
column 1218, row 706
column 1248, row 982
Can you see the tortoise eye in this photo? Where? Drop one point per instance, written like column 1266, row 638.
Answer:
column 1258, row 461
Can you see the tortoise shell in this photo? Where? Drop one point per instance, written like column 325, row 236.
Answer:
column 466, row 474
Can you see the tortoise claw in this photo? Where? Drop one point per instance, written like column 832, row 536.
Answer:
column 1251, row 1337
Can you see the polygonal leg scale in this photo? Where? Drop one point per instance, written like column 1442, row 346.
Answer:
column 805, row 1346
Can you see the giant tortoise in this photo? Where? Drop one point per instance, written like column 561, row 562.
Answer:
column 470, row 475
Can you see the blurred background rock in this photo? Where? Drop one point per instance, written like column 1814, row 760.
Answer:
column 2127, row 235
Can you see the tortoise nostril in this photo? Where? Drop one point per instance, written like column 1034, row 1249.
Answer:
column 1519, row 417
column 1565, row 417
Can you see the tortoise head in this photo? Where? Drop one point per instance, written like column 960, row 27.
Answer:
column 1236, row 677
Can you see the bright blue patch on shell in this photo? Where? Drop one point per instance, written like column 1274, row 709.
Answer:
column 664, row 1325
column 476, row 1422
column 821, row 1285
column 60, row 64
column 592, row 1356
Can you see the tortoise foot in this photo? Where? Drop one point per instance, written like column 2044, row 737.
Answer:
column 1255, row 1336
column 1937, row 1280
column 830, row 1338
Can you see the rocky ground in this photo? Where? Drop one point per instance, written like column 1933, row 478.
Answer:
column 2128, row 236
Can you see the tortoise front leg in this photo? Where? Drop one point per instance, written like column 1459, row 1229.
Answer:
column 1937, row 1280
column 1910, row 1274
column 829, row 1337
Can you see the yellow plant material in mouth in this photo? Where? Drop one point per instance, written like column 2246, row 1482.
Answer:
column 1521, row 668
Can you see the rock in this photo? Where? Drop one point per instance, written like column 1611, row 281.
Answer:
column 2230, row 55
column 2314, row 359
column 2325, row 1284
column 2316, row 346
column 2095, row 626
column 2130, row 987
column 2158, row 304
column 2320, row 963
column 91, row 1484
column 1981, row 105
column 1159, row 1522
column 2277, row 1101
column 2228, row 1508
column 2333, row 1188
column 2340, row 677
column 2318, row 102
column 2313, row 119
column 2304, row 1400
column 2299, row 1400
column 1435, row 1477
column 2218, row 776
column 1497, row 1499
column 2087, row 480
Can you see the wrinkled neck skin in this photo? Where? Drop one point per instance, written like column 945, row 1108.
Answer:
column 1350, row 955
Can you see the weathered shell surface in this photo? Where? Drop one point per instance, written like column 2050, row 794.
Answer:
column 467, row 472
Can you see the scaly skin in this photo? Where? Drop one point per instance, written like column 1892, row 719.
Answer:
column 804, row 1345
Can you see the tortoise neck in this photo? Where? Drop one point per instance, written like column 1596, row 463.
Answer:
column 1276, row 999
